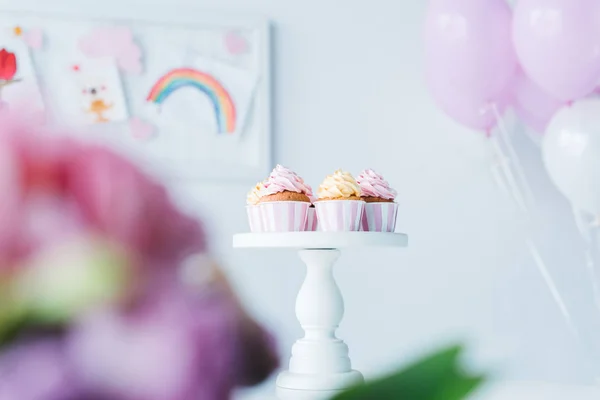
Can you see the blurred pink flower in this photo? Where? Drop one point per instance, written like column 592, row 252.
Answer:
column 37, row 208
column 56, row 187
column 67, row 280
column 8, row 190
column 123, row 203
column 160, row 340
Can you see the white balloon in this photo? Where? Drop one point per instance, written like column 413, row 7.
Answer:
column 571, row 151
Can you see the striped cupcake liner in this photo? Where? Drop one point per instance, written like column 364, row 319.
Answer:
column 255, row 218
column 339, row 215
column 379, row 217
column 284, row 216
column 311, row 220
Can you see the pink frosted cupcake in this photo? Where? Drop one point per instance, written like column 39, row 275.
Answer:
column 339, row 206
column 380, row 208
column 255, row 218
column 285, row 201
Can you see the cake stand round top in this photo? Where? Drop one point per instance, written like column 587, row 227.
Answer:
column 319, row 240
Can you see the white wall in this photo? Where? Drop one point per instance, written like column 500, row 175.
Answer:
column 348, row 92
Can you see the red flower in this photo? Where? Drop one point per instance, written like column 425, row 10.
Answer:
column 8, row 65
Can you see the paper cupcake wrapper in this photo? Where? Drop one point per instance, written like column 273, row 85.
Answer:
column 339, row 215
column 255, row 218
column 284, row 216
column 380, row 217
column 311, row 220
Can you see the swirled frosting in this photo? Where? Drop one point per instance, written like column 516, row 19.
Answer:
column 340, row 184
column 284, row 179
column 373, row 185
column 255, row 194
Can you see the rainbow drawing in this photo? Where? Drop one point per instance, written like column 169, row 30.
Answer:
column 189, row 77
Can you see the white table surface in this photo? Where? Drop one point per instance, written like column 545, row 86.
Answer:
column 538, row 391
column 495, row 391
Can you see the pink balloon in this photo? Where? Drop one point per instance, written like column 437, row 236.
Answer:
column 558, row 43
column 478, row 114
column 468, row 47
column 534, row 106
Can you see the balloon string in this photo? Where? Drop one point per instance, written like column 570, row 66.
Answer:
column 543, row 269
column 591, row 267
column 590, row 235
column 503, row 174
column 522, row 201
column 582, row 226
column 497, row 168
column 527, row 192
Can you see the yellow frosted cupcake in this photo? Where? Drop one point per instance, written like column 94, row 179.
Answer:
column 339, row 206
column 340, row 185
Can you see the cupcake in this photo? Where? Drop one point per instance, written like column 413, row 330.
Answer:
column 284, row 201
column 380, row 208
column 255, row 219
column 339, row 206
column 285, row 185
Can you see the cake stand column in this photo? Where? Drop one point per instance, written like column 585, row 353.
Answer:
column 319, row 366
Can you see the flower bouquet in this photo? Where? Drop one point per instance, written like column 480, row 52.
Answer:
column 106, row 288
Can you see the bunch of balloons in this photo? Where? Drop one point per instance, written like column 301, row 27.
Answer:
column 541, row 58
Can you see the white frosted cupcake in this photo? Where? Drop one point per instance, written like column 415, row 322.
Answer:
column 381, row 209
column 255, row 218
column 339, row 206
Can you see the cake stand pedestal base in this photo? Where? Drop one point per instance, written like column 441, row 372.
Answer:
column 319, row 366
column 319, row 363
column 287, row 380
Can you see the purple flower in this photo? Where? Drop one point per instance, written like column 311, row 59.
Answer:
column 36, row 370
column 180, row 345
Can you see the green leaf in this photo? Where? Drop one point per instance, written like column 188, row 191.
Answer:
column 11, row 326
column 13, row 316
column 437, row 377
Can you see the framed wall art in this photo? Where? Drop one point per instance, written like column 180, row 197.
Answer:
column 184, row 92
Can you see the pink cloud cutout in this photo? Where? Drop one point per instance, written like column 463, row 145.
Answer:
column 235, row 43
column 114, row 41
column 34, row 38
column 141, row 129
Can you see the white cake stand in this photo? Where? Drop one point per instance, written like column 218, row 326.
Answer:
column 319, row 366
